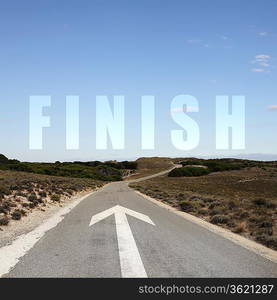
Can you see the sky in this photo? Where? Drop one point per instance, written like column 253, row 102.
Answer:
column 135, row 48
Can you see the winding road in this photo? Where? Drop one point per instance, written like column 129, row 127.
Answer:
column 115, row 232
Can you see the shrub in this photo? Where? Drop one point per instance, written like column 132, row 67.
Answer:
column 4, row 220
column 263, row 230
column 216, row 166
column 23, row 212
column 186, row 205
column 220, row 219
column 70, row 192
column 4, row 190
column 270, row 204
column 3, row 159
column 188, row 171
column 256, row 219
column 267, row 240
column 5, row 207
column 233, row 204
column 14, row 187
column 40, row 200
column 259, row 202
column 216, row 211
column 191, row 162
column 42, row 194
column 189, row 205
column 55, row 197
column 266, row 224
column 213, row 205
column 16, row 215
column 244, row 214
column 208, row 200
column 32, row 197
column 32, row 205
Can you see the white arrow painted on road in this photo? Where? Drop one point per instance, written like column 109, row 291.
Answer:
column 130, row 260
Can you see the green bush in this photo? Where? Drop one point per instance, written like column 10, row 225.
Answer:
column 4, row 190
column 106, row 171
column 220, row 219
column 264, row 202
column 191, row 162
column 5, row 207
column 259, row 202
column 267, row 240
column 4, row 220
column 216, row 166
column 3, row 159
column 55, row 197
column 188, row 171
column 16, row 215
column 32, row 197
column 186, row 205
column 42, row 194
column 190, row 205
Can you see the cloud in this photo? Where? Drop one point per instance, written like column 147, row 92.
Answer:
column 264, row 33
column 272, row 107
column 262, row 57
column 257, row 70
column 262, row 62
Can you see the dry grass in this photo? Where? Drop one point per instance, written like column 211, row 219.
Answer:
column 154, row 163
column 243, row 201
column 21, row 192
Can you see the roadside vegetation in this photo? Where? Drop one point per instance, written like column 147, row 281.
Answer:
column 21, row 193
column 188, row 171
column 107, row 171
column 240, row 196
column 26, row 186
column 199, row 167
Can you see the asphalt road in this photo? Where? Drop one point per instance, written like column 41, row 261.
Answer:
column 170, row 247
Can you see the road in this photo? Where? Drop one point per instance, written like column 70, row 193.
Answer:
column 93, row 242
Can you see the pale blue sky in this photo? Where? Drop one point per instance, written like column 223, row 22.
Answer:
column 135, row 48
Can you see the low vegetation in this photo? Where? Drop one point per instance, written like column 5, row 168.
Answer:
column 188, row 171
column 199, row 167
column 242, row 199
column 107, row 171
column 21, row 193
